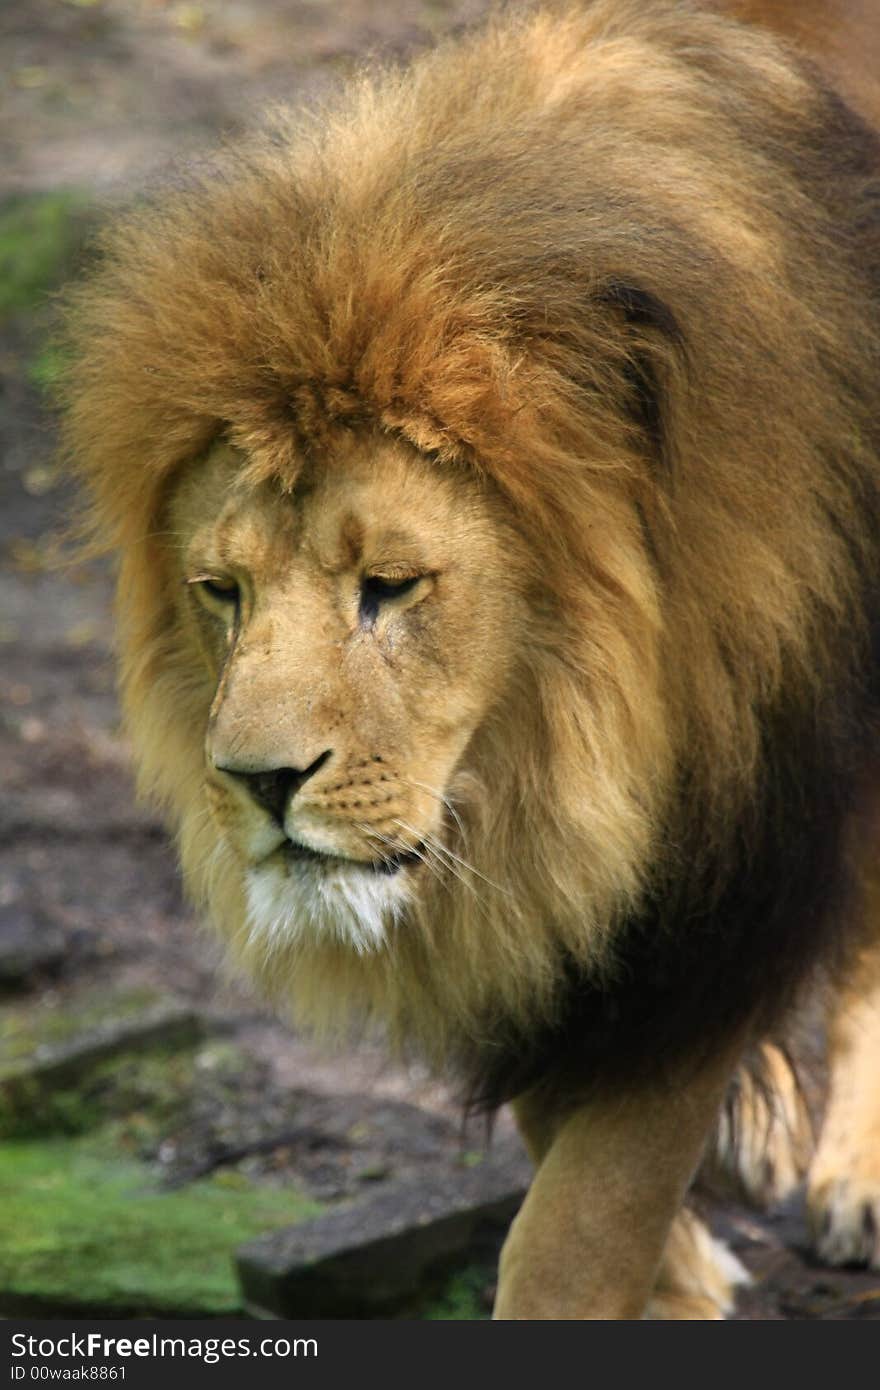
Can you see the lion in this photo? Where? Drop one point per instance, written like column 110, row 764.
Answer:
column 492, row 464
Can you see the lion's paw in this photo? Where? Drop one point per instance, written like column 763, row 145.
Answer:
column 844, row 1218
column 699, row 1275
column 764, row 1140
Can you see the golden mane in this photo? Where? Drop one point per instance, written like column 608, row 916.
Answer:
column 609, row 257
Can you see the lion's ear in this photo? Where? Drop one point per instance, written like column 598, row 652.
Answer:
column 653, row 349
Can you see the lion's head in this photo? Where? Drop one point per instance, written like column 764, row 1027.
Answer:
column 356, row 630
column 381, row 679
column 491, row 471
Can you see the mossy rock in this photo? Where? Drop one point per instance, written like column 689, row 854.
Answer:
column 93, row 1095
column 86, row 1231
column 30, row 1037
column 58, row 1066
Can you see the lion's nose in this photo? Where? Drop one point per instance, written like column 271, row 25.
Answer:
column 272, row 788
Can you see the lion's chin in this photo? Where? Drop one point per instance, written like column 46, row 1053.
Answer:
column 323, row 899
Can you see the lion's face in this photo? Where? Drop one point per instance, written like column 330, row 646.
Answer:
column 357, row 630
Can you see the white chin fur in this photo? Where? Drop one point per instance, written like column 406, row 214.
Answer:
column 353, row 906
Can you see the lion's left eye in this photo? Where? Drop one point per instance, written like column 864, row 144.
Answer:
column 376, row 590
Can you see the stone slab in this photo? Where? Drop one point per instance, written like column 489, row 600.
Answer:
column 371, row 1256
column 161, row 1024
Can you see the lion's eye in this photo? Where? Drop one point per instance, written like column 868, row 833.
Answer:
column 374, row 586
column 217, row 591
column 376, row 590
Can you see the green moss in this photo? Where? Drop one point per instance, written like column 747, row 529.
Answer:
column 39, row 236
column 84, row 1224
column 29, row 1109
column 144, row 1093
column 86, row 1230
column 46, row 368
column 462, row 1297
column 148, row 1091
column 65, row 1070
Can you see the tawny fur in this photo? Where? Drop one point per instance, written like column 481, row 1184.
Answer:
column 417, row 260
column 764, row 1141
column 844, row 1180
column 604, row 278
column 446, row 257
column 698, row 1277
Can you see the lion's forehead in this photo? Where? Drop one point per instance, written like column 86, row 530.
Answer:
column 376, row 503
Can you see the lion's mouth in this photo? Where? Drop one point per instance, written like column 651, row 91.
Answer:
column 294, row 851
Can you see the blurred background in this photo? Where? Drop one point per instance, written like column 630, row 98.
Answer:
column 154, row 1118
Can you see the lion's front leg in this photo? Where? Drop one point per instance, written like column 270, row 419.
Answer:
column 611, row 1176
column 844, row 1181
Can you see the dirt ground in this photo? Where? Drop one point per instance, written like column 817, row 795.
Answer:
column 98, row 97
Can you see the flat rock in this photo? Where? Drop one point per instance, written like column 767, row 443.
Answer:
column 41, row 1062
column 372, row 1256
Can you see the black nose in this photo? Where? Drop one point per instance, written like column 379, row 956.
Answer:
column 273, row 788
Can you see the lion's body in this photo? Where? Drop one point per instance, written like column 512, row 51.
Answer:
column 586, row 308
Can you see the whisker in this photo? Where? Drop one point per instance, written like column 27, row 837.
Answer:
column 196, row 819
column 434, row 848
column 209, row 866
column 441, row 848
column 439, row 796
column 371, row 833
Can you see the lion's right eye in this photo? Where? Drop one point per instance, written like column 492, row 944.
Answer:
column 218, row 592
